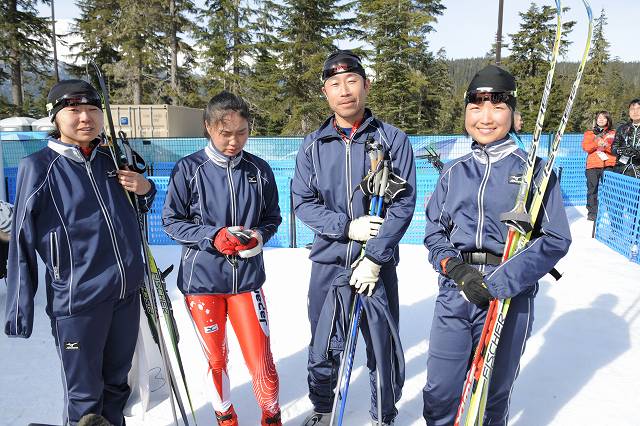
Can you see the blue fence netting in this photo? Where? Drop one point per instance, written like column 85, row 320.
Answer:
column 618, row 221
column 161, row 155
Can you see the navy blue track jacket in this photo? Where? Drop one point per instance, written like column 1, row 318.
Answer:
column 75, row 214
column 207, row 192
column 463, row 215
column 325, row 198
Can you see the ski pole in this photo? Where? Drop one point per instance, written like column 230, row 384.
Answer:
column 346, row 364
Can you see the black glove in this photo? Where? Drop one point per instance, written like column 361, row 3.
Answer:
column 470, row 281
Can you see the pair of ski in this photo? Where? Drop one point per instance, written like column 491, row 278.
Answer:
column 155, row 300
column 520, row 223
column 380, row 180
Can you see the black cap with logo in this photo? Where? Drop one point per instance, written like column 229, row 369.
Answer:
column 340, row 62
column 71, row 92
column 494, row 84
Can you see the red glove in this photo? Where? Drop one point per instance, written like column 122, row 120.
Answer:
column 230, row 240
column 245, row 236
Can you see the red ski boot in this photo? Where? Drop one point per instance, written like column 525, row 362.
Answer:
column 271, row 419
column 227, row 418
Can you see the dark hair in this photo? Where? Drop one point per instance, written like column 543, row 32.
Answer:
column 55, row 133
column 222, row 104
column 607, row 116
column 634, row 101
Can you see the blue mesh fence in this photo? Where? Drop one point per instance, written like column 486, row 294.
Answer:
column 162, row 153
column 618, row 221
column 572, row 159
column 155, row 233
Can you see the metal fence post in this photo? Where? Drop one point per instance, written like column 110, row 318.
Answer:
column 292, row 219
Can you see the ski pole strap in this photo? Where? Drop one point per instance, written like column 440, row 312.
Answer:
column 481, row 258
column 555, row 274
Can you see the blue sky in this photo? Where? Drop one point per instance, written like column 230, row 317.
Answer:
column 468, row 27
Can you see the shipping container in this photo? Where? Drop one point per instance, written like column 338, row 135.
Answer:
column 157, row 121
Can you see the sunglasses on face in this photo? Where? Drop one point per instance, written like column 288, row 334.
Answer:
column 495, row 98
column 75, row 100
column 343, row 66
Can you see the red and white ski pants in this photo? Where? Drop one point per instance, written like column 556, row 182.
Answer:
column 248, row 315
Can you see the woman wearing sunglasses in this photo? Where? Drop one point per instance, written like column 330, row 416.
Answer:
column 465, row 239
column 71, row 209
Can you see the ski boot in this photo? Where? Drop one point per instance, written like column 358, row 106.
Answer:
column 317, row 419
column 271, row 419
column 227, row 418
column 375, row 423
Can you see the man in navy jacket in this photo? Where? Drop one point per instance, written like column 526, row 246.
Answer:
column 330, row 164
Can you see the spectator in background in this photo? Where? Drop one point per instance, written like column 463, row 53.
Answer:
column 626, row 145
column 517, row 121
column 597, row 144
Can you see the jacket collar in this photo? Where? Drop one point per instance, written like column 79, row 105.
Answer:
column 327, row 133
column 494, row 151
column 70, row 151
column 220, row 159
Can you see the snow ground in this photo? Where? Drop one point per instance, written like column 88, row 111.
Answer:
column 580, row 365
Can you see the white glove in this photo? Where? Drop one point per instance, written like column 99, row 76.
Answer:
column 364, row 275
column 255, row 250
column 364, row 227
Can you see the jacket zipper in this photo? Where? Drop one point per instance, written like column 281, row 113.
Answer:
column 55, row 255
column 349, row 190
column 234, row 221
column 483, row 186
column 112, row 232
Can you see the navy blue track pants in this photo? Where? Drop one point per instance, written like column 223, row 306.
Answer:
column 96, row 347
column 323, row 375
column 457, row 325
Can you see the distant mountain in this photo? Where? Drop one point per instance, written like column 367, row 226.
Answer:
column 462, row 70
column 32, row 82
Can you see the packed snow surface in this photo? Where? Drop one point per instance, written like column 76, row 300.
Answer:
column 580, row 366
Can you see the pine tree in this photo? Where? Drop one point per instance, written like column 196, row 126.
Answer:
column 408, row 81
column 531, row 49
column 178, row 23
column 94, row 27
column 25, row 45
column 308, row 32
column 225, row 44
column 137, row 35
column 617, row 92
column 264, row 82
column 591, row 97
column 447, row 106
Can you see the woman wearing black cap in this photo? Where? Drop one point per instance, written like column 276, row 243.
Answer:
column 70, row 209
column 465, row 239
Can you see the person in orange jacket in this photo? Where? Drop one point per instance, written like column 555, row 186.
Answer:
column 597, row 144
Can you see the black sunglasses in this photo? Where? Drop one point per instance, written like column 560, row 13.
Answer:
column 342, row 66
column 493, row 97
column 75, row 99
